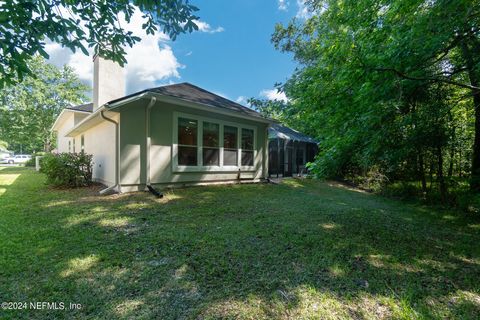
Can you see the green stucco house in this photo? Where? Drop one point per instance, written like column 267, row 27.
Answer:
column 177, row 134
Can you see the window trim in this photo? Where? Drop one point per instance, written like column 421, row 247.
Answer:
column 220, row 168
column 196, row 146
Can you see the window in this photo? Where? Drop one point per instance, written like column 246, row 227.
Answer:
column 211, row 148
column 187, row 142
column 82, row 143
column 230, row 146
column 207, row 144
column 247, row 147
column 69, row 146
column 73, row 145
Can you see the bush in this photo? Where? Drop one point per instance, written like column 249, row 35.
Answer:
column 31, row 162
column 67, row 169
column 469, row 201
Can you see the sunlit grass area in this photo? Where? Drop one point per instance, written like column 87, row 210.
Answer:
column 300, row 249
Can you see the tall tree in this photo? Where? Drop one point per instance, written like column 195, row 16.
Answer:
column 369, row 66
column 26, row 25
column 29, row 109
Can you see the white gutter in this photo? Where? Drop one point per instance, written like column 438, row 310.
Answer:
column 148, row 140
column 117, row 156
column 62, row 113
column 87, row 119
column 103, row 108
column 125, row 101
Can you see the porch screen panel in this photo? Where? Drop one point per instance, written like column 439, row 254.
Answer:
column 187, row 142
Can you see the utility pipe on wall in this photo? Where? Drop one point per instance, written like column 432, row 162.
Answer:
column 117, row 156
column 148, row 141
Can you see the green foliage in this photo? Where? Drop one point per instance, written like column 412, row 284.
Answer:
column 32, row 162
column 29, row 109
column 67, row 169
column 389, row 86
column 25, row 27
column 301, row 249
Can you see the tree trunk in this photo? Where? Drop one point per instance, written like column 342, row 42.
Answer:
column 432, row 167
column 421, row 172
column 440, row 177
column 452, row 159
column 474, row 81
column 459, row 164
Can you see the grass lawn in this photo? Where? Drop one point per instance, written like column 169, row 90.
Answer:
column 302, row 249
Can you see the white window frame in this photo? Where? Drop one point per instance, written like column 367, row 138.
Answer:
column 220, row 168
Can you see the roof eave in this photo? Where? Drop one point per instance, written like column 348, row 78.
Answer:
column 86, row 123
column 187, row 103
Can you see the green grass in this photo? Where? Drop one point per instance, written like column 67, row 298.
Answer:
column 302, row 249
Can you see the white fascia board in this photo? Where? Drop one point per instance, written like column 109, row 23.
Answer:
column 64, row 111
column 88, row 122
column 95, row 117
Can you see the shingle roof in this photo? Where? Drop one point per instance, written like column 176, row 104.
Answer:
column 87, row 107
column 282, row 132
column 189, row 92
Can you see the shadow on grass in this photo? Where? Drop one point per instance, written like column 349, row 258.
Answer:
column 299, row 249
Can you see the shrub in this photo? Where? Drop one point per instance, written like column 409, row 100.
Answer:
column 469, row 201
column 67, row 169
column 31, row 162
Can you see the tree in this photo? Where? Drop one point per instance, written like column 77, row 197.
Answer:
column 380, row 82
column 29, row 109
column 26, row 25
column 3, row 145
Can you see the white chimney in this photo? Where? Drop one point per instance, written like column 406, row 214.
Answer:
column 108, row 81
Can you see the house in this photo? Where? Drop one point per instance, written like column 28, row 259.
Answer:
column 164, row 136
column 289, row 151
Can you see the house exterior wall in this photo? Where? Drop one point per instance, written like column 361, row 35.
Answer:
column 162, row 122
column 63, row 128
column 69, row 120
column 99, row 141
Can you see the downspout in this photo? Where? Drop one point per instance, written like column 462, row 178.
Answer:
column 148, row 144
column 117, row 156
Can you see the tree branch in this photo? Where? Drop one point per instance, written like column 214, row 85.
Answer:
column 406, row 76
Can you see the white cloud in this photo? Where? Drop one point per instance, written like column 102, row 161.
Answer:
column 149, row 61
column 205, row 27
column 303, row 12
column 274, row 94
column 283, row 5
column 242, row 100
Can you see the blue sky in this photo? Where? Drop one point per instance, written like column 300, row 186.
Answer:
column 239, row 61
column 230, row 55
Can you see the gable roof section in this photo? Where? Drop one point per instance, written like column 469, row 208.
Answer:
column 87, row 107
column 182, row 93
column 188, row 92
column 282, row 132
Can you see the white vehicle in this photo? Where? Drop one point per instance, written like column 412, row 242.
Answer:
column 19, row 158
